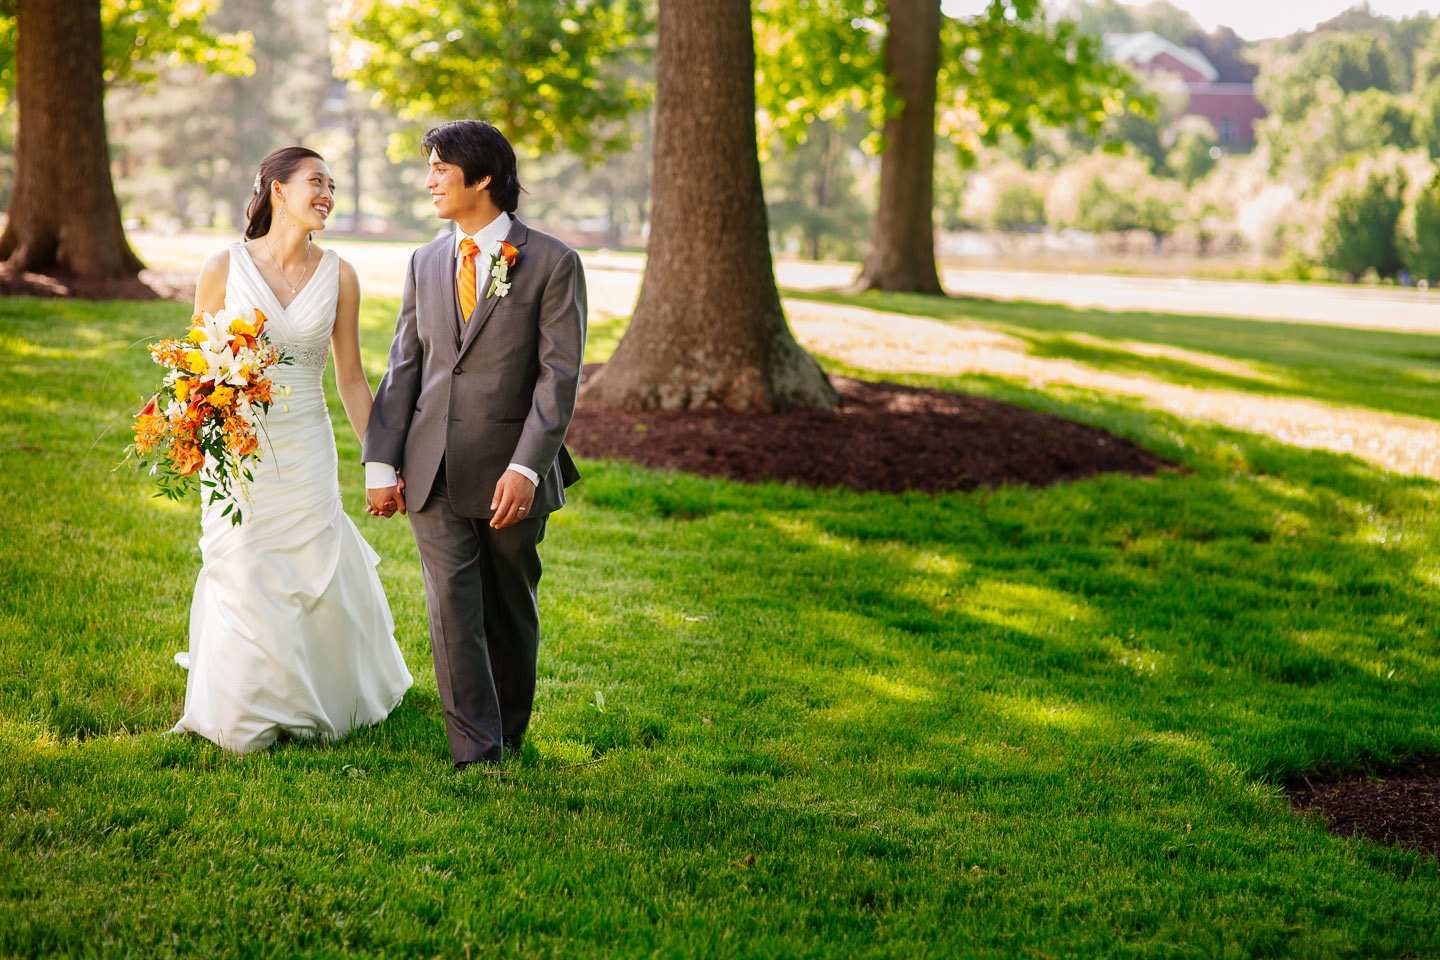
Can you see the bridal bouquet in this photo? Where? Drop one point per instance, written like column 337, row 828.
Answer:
column 207, row 407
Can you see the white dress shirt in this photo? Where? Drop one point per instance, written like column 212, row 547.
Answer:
column 487, row 239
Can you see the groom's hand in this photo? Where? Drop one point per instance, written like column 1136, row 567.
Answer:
column 384, row 501
column 514, row 497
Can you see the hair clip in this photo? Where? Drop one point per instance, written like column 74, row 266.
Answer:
column 255, row 187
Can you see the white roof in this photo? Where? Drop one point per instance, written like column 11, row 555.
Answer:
column 1142, row 48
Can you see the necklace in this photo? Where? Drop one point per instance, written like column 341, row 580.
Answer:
column 294, row 287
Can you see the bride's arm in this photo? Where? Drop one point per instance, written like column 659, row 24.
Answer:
column 349, row 373
column 210, row 288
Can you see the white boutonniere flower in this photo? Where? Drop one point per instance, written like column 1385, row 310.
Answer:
column 503, row 257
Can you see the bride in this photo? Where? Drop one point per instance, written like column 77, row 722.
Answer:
column 290, row 631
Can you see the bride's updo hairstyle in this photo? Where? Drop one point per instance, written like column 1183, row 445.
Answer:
column 279, row 165
column 480, row 151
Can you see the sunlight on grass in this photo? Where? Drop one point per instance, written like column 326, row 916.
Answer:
column 888, row 687
column 1062, row 715
column 1021, row 606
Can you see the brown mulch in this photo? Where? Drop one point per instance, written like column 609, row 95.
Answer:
column 885, row 438
column 1401, row 805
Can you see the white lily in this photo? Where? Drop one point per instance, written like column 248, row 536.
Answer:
column 217, row 363
column 216, row 330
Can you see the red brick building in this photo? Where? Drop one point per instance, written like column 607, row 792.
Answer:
column 1231, row 108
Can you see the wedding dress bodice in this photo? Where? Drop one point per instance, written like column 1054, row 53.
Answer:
column 302, row 329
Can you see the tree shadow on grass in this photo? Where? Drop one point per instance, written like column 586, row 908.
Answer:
column 1374, row 369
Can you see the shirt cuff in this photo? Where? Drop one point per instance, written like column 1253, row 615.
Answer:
column 379, row 476
column 525, row 472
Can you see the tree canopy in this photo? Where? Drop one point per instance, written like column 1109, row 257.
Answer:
column 141, row 37
column 550, row 73
column 1008, row 72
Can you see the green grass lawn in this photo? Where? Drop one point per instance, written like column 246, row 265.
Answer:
column 1375, row 369
column 772, row 722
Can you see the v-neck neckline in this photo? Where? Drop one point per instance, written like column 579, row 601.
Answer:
column 275, row 297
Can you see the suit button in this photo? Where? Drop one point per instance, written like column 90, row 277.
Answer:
column 458, row 371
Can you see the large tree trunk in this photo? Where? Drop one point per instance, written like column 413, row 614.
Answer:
column 902, row 240
column 708, row 331
column 64, row 218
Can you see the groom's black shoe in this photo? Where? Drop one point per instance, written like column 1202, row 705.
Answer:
column 510, row 745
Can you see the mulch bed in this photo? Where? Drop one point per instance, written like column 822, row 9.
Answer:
column 885, row 438
column 1401, row 805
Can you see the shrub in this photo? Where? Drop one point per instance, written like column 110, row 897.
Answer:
column 1103, row 209
column 1361, row 230
column 1422, row 247
column 1020, row 205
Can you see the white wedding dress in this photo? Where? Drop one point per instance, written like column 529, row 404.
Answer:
column 289, row 627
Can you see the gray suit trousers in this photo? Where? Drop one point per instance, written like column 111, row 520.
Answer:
column 480, row 589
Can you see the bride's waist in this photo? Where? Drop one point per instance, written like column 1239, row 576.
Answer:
column 295, row 380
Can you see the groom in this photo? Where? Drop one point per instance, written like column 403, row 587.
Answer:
column 471, row 414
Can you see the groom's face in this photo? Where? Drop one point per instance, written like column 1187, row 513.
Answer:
column 446, row 183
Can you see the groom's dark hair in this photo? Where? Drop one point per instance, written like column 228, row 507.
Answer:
column 480, row 151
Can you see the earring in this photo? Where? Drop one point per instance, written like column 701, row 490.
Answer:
column 282, row 209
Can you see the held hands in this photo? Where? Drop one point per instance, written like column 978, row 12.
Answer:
column 384, row 501
column 514, row 497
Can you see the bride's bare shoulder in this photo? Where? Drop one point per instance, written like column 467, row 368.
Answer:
column 217, row 265
column 210, row 287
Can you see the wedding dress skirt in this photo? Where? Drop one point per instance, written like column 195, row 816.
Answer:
column 290, row 630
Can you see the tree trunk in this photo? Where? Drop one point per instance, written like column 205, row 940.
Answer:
column 357, row 122
column 902, row 240
column 708, row 331
column 64, row 218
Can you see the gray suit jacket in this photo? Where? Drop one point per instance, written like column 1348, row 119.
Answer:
column 497, row 390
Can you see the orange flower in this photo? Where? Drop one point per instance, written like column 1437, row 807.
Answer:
column 242, row 444
column 150, row 430
column 509, row 253
column 221, row 396
column 186, row 459
column 259, row 392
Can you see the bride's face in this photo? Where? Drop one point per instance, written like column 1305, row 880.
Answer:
column 309, row 195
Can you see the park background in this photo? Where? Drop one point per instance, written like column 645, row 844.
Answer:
column 778, row 721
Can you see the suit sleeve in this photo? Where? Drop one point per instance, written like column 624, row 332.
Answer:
column 562, row 351
column 399, row 389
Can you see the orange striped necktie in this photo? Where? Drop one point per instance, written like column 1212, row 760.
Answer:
column 466, row 278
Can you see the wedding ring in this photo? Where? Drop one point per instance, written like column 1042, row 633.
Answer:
column 522, row 509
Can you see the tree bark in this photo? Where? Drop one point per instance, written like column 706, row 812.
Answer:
column 708, row 331
column 64, row 218
column 902, row 238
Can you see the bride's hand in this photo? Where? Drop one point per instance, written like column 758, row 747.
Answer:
column 384, row 501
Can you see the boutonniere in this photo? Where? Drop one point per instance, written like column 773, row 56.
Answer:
column 502, row 261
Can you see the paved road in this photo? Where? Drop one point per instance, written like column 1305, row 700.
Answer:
column 614, row 280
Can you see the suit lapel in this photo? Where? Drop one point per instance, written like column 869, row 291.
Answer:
column 442, row 276
column 517, row 235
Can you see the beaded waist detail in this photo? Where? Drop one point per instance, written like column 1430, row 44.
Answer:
column 310, row 355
